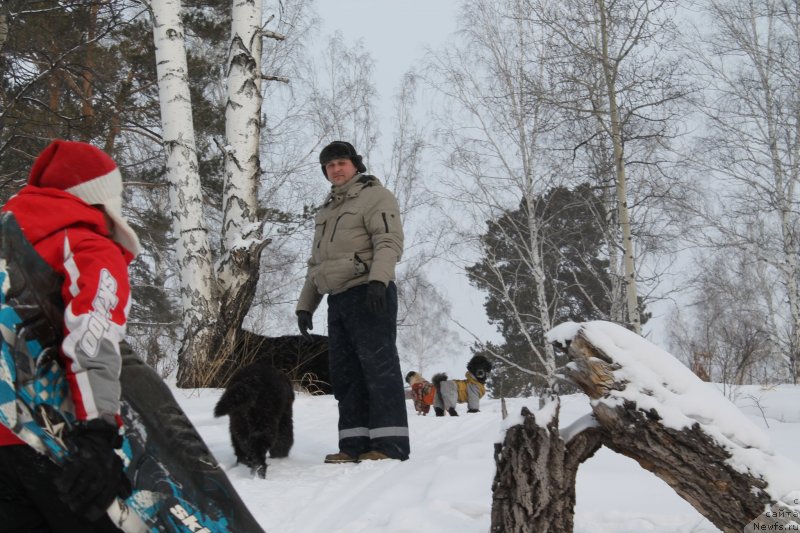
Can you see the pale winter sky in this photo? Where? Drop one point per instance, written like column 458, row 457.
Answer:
column 397, row 35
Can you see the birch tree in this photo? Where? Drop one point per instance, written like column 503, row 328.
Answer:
column 496, row 134
column 238, row 270
column 215, row 300
column 242, row 134
column 615, row 70
column 752, row 112
column 192, row 247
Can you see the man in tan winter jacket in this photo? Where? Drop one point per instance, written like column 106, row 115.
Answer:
column 358, row 239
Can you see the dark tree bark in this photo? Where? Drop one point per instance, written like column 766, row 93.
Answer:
column 3, row 24
column 534, row 487
column 225, row 338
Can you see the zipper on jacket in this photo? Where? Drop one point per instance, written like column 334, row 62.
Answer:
column 336, row 225
column 385, row 223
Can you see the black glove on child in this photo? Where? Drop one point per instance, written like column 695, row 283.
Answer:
column 376, row 297
column 304, row 323
column 93, row 475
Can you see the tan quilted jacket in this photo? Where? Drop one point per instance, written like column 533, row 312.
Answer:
column 358, row 238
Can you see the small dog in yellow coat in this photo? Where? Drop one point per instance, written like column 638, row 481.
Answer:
column 469, row 391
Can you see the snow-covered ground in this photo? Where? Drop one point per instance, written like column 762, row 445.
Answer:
column 446, row 485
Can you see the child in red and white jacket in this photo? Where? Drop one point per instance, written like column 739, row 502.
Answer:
column 70, row 211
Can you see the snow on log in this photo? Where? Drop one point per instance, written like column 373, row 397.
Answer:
column 650, row 407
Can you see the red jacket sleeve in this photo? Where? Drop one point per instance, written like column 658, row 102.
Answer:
column 96, row 296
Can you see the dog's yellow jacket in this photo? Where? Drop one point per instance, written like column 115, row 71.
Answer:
column 463, row 384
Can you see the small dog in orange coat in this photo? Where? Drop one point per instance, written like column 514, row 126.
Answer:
column 422, row 392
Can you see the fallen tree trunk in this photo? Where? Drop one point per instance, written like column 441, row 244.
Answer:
column 689, row 460
column 649, row 407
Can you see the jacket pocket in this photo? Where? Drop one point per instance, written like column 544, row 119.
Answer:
column 363, row 262
column 334, row 273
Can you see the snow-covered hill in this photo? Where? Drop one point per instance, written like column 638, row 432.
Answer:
column 446, row 485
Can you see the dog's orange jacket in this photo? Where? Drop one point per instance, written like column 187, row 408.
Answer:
column 423, row 394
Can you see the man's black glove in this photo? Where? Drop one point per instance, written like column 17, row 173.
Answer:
column 376, row 297
column 304, row 323
column 93, row 475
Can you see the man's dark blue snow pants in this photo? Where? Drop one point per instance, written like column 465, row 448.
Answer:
column 366, row 376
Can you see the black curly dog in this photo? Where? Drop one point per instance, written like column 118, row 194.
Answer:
column 258, row 400
column 469, row 391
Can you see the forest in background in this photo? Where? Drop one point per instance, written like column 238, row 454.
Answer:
column 577, row 160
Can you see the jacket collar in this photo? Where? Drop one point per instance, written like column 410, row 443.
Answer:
column 350, row 189
column 343, row 189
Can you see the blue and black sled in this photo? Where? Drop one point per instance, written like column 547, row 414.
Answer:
column 177, row 484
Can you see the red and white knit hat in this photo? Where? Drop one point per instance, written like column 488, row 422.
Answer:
column 90, row 174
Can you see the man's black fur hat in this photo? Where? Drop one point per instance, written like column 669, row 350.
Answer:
column 340, row 150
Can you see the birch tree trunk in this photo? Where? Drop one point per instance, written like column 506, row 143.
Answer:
column 791, row 270
column 214, row 302
column 609, row 75
column 192, row 246
column 536, row 265
column 242, row 138
column 619, row 77
column 784, row 165
column 238, row 267
column 617, row 286
column 238, row 270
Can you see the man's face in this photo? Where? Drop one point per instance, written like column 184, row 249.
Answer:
column 340, row 171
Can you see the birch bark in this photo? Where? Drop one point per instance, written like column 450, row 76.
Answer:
column 610, row 75
column 191, row 246
column 243, row 135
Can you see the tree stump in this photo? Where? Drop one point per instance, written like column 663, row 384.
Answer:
column 534, row 488
column 716, row 464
